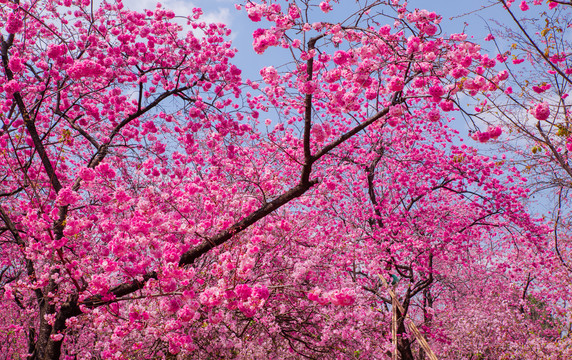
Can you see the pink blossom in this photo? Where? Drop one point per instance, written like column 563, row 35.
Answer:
column 447, row 105
column 436, row 91
column 67, row 196
column 395, row 84
column 159, row 147
column 341, row 57
column 186, row 314
column 59, row 243
column 210, row 297
column 413, row 44
column 316, row 295
column 396, row 110
column 16, row 64
column 313, row 296
column 488, row 62
column 502, row 75
column 249, row 310
column 325, row 6
column 269, row 74
column 541, row 89
column 393, row 121
column 87, row 174
column 484, row 136
column 243, row 291
column 293, row 12
column 342, row 297
column 106, row 170
column 430, row 29
column 318, row 133
column 419, row 82
column 14, row 24
column 85, row 68
column 308, row 87
column 255, row 11
column 56, row 337
column 11, row 87
column 541, row 111
column 524, row 6
column 481, row 136
column 172, row 305
column 261, row 292
column 501, row 58
column 434, row 115
column 263, row 39
column 494, row 132
column 459, row 72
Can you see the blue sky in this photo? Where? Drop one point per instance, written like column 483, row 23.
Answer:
column 458, row 16
column 224, row 11
column 466, row 16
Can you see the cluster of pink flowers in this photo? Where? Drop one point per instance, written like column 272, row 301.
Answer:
column 269, row 75
column 14, row 23
column 11, row 87
column 434, row 115
column 325, row 6
column 55, row 51
column 540, row 111
column 255, row 11
column 245, row 298
column 265, row 38
column 492, row 133
column 436, row 91
column 87, row 174
column 425, row 21
column 85, row 68
column 16, row 64
column 171, row 226
column 395, row 84
column 341, row 57
column 542, row 88
column 67, row 196
column 342, row 297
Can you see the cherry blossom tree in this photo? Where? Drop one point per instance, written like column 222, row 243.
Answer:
column 154, row 204
column 532, row 109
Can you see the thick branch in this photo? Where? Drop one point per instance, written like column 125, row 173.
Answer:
column 30, row 124
column 308, row 114
column 190, row 256
column 326, row 149
column 118, row 291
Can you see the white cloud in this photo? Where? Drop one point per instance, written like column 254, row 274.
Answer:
column 221, row 16
column 184, row 8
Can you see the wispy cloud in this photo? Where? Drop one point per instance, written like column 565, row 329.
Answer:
column 215, row 13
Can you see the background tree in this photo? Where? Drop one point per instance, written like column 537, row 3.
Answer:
column 533, row 110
